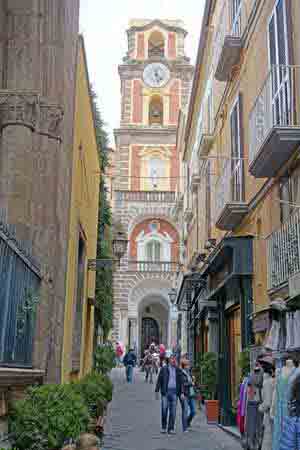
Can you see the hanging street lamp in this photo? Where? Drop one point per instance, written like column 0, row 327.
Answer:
column 119, row 248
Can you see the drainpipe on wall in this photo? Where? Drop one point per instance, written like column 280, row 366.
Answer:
column 197, row 216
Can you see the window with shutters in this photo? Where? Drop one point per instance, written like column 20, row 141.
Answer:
column 208, row 216
column 157, row 170
column 210, row 117
column 77, row 330
column 153, row 251
column 278, row 58
column 289, row 194
column 237, row 172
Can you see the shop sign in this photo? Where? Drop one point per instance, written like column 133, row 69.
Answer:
column 261, row 322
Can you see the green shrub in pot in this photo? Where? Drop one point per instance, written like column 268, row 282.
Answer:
column 209, row 373
column 96, row 390
column 47, row 416
column 104, row 359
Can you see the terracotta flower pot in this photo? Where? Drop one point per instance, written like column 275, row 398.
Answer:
column 212, row 411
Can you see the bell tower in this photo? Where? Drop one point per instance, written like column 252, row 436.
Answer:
column 155, row 84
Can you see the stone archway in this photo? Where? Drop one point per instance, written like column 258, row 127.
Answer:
column 149, row 299
column 153, row 310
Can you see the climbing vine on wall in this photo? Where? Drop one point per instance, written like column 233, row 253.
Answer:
column 104, row 293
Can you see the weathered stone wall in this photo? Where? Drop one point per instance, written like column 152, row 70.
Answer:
column 37, row 55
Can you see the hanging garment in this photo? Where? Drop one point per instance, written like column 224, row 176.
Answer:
column 267, row 395
column 244, row 399
column 253, row 426
column 272, row 341
column 290, row 439
column 240, row 407
column 296, row 328
column 290, row 331
column 295, row 373
column 281, row 407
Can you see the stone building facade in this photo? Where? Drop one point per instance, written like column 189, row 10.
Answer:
column 37, row 89
column 155, row 83
column 239, row 148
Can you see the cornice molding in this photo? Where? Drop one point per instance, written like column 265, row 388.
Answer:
column 138, row 130
column 158, row 23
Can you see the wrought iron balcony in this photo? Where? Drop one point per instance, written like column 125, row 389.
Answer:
column 145, row 196
column 153, row 266
column 283, row 248
column 229, row 36
column 274, row 122
column 230, row 206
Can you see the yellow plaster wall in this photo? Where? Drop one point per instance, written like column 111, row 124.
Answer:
column 249, row 80
column 84, row 215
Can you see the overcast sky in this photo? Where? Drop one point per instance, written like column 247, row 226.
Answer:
column 104, row 23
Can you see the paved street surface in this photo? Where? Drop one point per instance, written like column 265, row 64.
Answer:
column 133, row 422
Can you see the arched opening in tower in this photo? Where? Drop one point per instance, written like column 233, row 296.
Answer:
column 156, row 110
column 156, row 45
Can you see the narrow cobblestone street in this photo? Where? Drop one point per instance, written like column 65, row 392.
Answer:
column 133, row 423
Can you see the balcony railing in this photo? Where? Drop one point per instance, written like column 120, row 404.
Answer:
column 234, row 18
column 153, row 266
column 145, row 196
column 275, row 122
column 230, row 207
column 284, row 252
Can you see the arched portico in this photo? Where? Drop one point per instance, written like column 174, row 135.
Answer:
column 149, row 300
column 153, row 312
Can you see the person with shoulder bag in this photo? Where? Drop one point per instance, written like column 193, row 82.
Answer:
column 188, row 403
column 170, row 385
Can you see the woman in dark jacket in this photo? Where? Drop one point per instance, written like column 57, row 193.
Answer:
column 290, row 438
column 188, row 404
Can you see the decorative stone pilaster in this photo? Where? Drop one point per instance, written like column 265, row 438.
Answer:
column 19, row 108
column 51, row 120
column 28, row 109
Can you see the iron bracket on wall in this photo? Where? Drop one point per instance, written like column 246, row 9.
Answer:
column 96, row 264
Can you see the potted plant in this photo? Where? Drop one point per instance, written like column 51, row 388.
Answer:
column 209, row 379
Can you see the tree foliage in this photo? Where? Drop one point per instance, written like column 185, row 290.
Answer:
column 104, row 294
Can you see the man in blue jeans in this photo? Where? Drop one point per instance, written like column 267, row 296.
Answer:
column 129, row 363
column 170, row 385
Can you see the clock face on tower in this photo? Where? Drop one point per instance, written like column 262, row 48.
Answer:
column 156, row 75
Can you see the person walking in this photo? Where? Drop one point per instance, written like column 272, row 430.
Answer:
column 170, row 385
column 188, row 403
column 129, row 363
column 147, row 363
column 162, row 354
column 119, row 353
